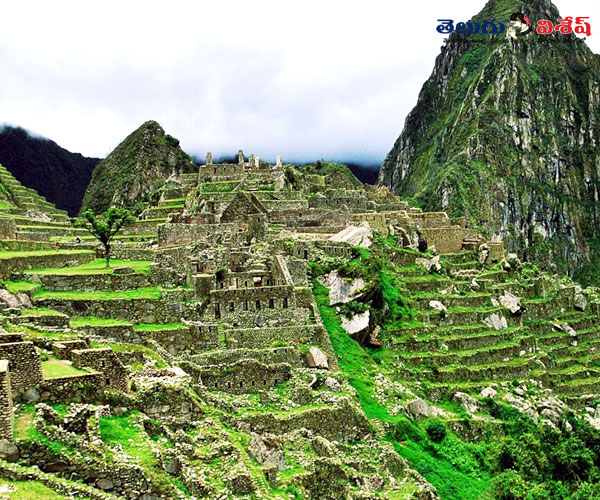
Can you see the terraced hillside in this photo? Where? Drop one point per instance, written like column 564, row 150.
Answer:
column 269, row 332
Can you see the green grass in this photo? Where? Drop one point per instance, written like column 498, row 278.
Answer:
column 54, row 368
column 17, row 286
column 157, row 326
column 6, row 205
column 97, row 266
column 24, row 422
column 11, row 254
column 133, row 440
column 360, row 367
column 451, row 484
column 138, row 445
column 95, row 321
column 138, row 293
column 26, row 490
column 41, row 311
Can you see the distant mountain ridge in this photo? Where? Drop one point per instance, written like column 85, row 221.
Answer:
column 39, row 163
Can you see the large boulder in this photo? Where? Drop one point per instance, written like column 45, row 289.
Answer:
column 418, row 409
column 37, row 215
column 9, row 300
column 316, row 358
column 357, row 324
column 341, row 290
column 8, row 451
column 267, row 450
column 437, row 305
column 469, row 403
column 579, row 301
column 496, row 322
column 432, row 265
column 488, row 392
column 511, row 302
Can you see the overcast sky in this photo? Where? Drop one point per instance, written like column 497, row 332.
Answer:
column 306, row 79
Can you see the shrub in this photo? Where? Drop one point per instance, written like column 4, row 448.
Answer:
column 436, row 430
column 405, row 430
column 509, row 486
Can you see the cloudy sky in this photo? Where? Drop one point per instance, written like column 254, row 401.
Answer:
column 307, row 79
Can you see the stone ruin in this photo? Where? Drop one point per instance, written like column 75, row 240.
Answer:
column 223, row 317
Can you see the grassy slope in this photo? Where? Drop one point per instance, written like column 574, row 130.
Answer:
column 437, row 462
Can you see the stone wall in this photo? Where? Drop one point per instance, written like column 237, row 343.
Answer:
column 77, row 388
column 445, row 239
column 299, row 271
column 63, row 349
column 24, row 364
column 138, row 310
column 243, row 377
column 196, row 337
column 336, row 249
column 141, row 227
column 8, row 229
column 184, row 234
column 232, row 302
column 131, row 357
column 7, row 337
column 93, row 282
column 289, row 355
column 266, row 337
column 496, row 251
column 105, row 361
column 342, row 421
column 264, row 317
column 7, row 266
column 377, row 221
column 431, row 219
column 6, row 412
column 308, row 217
column 120, row 333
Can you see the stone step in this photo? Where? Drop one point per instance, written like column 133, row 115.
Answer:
column 579, row 386
column 459, row 257
column 426, row 283
column 477, row 340
column 517, row 368
column 492, row 353
column 467, row 300
column 463, row 317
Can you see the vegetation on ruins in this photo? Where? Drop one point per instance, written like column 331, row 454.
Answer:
column 104, row 227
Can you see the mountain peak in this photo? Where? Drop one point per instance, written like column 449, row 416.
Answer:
column 502, row 9
column 504, row 132
column 136, row 167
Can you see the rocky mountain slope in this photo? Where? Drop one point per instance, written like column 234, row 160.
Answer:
column 506, row 132
column 41, row 164
column 136, row 168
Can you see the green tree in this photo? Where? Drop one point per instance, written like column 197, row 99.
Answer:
column 105, row 226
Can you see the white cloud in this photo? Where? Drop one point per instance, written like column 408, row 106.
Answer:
column 310, row 79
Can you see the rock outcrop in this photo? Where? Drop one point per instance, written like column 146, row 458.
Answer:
column 506, row 132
